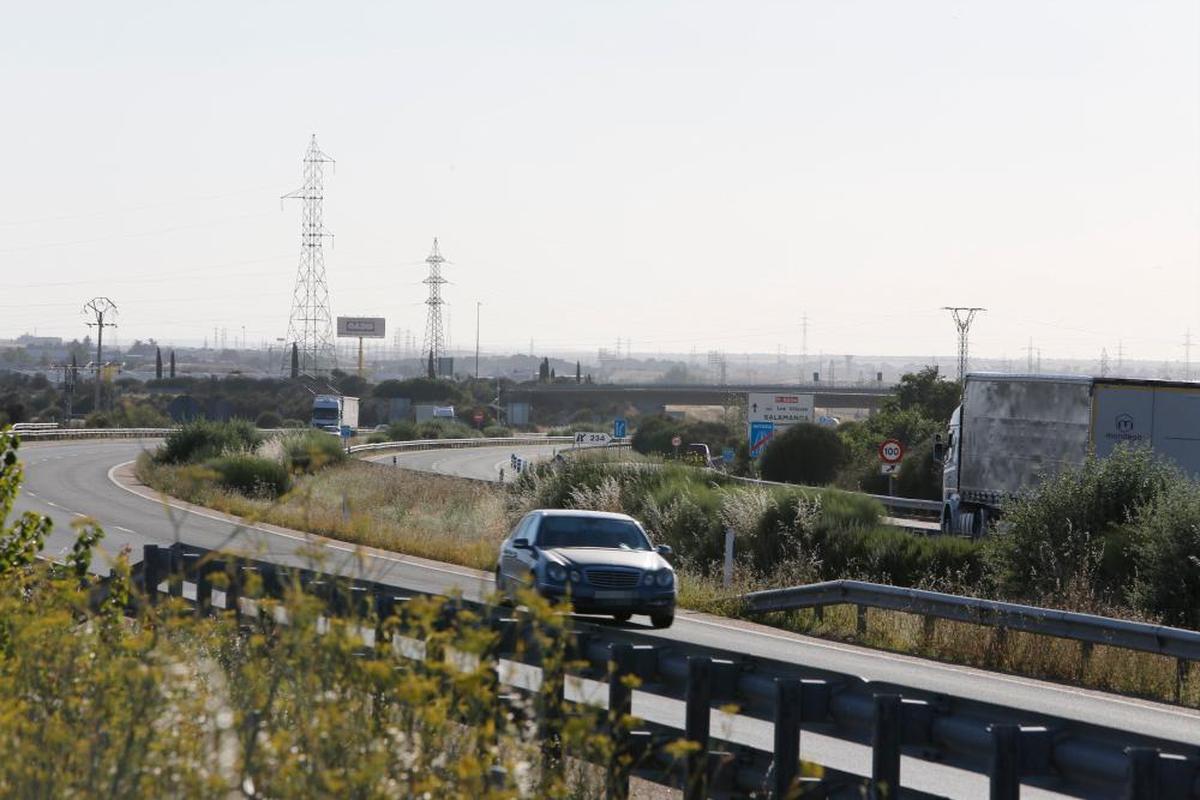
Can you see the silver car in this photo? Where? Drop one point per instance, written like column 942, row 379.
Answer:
column 603, row 563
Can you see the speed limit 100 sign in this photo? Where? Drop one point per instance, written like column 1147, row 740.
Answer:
column 891, row 451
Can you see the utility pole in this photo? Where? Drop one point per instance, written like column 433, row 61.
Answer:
column 963, row 317
column 310, row 325
column 99, row 307
column 478, row 305
column 1029, row 356
column 1103, row 362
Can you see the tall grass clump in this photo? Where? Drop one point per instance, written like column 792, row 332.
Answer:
column 311, row 450
column 200, row 440
column 251, row 475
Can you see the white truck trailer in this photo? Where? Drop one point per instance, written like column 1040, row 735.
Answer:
column 331, row 411
column 1013, row 430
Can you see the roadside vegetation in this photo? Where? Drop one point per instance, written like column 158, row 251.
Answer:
column 166, row 703
column 1124, row 544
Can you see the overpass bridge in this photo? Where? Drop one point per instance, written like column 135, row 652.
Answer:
column 868, row 396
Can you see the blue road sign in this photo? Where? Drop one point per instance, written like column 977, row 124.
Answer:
column 727, row 455
column 760, row 437
column 347, row 432
column 619, row 428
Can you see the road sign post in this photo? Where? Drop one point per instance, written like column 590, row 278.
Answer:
column 891, row 453
column 619, row 428
column 675, row 442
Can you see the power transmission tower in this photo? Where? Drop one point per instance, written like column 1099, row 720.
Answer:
column 963, row 317
column 434, row 346
column 1103, row 362
column 310, row 325
column 99, row 308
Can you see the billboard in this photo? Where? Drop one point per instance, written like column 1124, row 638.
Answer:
column 360, row 327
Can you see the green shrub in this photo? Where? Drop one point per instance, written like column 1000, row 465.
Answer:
column 654, row 435
column 269, row 420
column 445, row 429
column 253, row 476
column 805, row 454
column 497, row 432
column 312, row 450
column 201, row 440
column 920, row 476
column 1166, row 549
column 402, row 431
column 294, row 423
column 1073, row 526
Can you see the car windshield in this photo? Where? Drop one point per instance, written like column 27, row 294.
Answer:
column 591, row 532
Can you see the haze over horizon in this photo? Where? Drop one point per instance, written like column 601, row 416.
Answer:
column 679, row 175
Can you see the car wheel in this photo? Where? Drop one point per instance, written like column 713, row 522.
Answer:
column 622, row 617
column 663, row 619
column 502, row 589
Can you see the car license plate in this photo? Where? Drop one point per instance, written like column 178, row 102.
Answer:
column 613, row 595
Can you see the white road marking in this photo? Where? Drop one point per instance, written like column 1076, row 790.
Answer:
column 120, row 528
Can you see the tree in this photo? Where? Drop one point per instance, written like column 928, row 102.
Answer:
column 805, row 453
column 158, row 365
column 172, row 363
column 295, row 361
column 430, row 372
column 578, row 375
column 544, row 371
column 926, row 393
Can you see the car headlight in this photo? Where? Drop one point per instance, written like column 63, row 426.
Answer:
column 556, row 572
column 576, row 577
column 665, row 578
column 648, row 579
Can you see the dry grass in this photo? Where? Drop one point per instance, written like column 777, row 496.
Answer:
column 432, row 516
column 462, row 522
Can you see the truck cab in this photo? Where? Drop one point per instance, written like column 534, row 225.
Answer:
column 327, row 412
column 946, row 452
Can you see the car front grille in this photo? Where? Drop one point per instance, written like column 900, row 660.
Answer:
column 613, row 578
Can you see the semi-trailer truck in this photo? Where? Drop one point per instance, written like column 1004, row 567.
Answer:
column 331, row 411
column 1011, row 431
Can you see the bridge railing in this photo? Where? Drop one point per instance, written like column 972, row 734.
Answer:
column 1087, row 629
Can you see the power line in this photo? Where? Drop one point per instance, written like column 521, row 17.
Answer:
column 963, row 317
column 310, row 325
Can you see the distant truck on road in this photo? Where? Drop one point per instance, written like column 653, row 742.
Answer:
column 1012, row 430
column 331, row 411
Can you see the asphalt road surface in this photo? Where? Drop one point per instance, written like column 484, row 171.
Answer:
column 70, row 479
column 480, row 463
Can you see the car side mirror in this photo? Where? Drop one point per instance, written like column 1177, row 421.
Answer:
column 521, row 544
column 939, row 449
column 664, row 550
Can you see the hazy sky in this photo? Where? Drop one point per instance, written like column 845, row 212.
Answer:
column 681, row 174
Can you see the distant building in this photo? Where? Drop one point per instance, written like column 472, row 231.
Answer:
column 38, row 342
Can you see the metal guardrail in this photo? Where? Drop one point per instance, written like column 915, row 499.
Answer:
column 1088, row 629
column 894, row 503
column 482, row 441
column 1006, row 745
column 94, row 433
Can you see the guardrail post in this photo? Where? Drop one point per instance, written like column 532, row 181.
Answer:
column 727, row 572
column 175, row 571
column 928, row 629
column 789, row 707
column 861, row 621
column 1182, row 668
column 885, row 748
column 1085, row 658
column 620, row 707
column 1005, row 775
column 696, row 727
column 150, row 573
column 204, row 589
column 551, row 711
column 1143, row 779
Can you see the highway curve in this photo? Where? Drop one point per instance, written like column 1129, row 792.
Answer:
column 68, row 479
column 480, row 463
